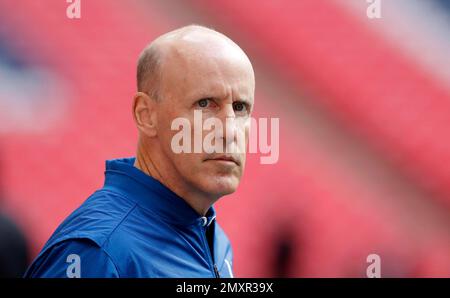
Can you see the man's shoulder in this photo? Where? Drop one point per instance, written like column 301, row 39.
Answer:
column 88, row 227
column 96, row 218
column 73, row 258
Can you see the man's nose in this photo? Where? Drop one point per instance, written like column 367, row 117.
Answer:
column 230, row 125
column 228, row 111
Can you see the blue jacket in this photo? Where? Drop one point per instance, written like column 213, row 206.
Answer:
column 135, row 227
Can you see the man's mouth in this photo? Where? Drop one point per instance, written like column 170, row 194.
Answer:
column 224, row 158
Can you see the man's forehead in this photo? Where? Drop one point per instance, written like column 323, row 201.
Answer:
column 197, row 43
column 200, row 60
column 201, row 49
column 218, row 88
column 206, row 75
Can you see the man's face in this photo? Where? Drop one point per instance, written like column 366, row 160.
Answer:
column 219, row 82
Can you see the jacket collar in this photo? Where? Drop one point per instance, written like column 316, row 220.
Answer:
column 123, row 177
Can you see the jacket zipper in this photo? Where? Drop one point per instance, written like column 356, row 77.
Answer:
column 205, row 242
column 216, row 271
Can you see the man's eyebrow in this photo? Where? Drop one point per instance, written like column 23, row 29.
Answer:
column 244, row 100
column 202, row 95
column 239, row 99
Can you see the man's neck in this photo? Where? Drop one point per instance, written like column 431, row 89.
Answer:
column 197, row 200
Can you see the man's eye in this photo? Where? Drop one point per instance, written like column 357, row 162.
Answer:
column 239, row 106
column 203, row 103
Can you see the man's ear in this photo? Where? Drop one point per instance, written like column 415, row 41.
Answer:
column 144, row 113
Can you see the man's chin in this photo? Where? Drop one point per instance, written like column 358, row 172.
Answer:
column 221, row 186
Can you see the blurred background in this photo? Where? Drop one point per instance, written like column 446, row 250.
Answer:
column 364, row 108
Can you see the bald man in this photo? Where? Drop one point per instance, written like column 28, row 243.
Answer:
column 154, row 216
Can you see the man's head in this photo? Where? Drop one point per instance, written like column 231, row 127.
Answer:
column 193, row 69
